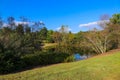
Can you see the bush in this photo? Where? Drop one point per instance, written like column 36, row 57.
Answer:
column 70, row 59
column 13, row 63
column 44, row 58
column 9, row 62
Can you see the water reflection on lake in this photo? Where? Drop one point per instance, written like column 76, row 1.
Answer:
column 80, row 57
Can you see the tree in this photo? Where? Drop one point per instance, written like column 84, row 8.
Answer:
column 115, row 19
column 11, row 22
column 114, row 30
column 64, row 29
column 104, row 20
column 99, row 41
column 24, row 23
column 43, row 33
column 49, row 36
column 81, row 43
column 20, row 29
column 28, row 29
column 57, row 37
column 64, row 40
column 37, row 26
column 1, row 22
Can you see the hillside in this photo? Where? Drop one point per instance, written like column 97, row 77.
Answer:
column 97, row 68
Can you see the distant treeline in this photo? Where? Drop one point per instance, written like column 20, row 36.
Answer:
column 22, row 43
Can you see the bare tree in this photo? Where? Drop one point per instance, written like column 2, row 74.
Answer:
column 104, row 20
column 1, row 22
column 11, row 22
column 99, row 39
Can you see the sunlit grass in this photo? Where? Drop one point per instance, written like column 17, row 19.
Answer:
column 97, row 68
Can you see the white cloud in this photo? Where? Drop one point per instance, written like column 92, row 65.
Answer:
column 58, row 28
column 16, row 23
column 4, row 25
column 93, row 23
column 88, row 24
column 70, row 29
column 19, row 22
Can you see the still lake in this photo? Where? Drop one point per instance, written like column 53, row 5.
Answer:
column 80, row 57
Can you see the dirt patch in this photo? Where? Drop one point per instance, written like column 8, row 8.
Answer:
column 111, row 52
column 107, row 53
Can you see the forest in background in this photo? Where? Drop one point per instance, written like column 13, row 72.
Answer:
column 24, row 45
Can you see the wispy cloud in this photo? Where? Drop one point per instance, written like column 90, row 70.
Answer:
column 4, row 25
column 58, row 28
column 88, row 24
column 16, row 23
column 93, row 23
column 19, row 22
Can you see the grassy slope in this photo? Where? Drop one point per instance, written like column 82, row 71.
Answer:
column 97, row 68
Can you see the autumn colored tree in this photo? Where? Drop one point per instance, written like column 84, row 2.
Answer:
column 114, row 30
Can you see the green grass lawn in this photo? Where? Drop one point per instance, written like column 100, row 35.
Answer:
column 97, row 68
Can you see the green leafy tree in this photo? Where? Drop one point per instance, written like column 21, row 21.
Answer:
column 49, row 36
column 1, row 22
column 11, row 22
column 28, row 29
column 114, row 30
column 43, row 33
column 20, row 29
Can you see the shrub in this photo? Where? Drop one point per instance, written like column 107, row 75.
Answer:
column 70, row 59
column 44, row 58
column 13, row 63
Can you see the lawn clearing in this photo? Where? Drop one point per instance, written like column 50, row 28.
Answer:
column 96, row 68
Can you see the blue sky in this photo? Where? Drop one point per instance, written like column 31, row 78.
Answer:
column 55, row 13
